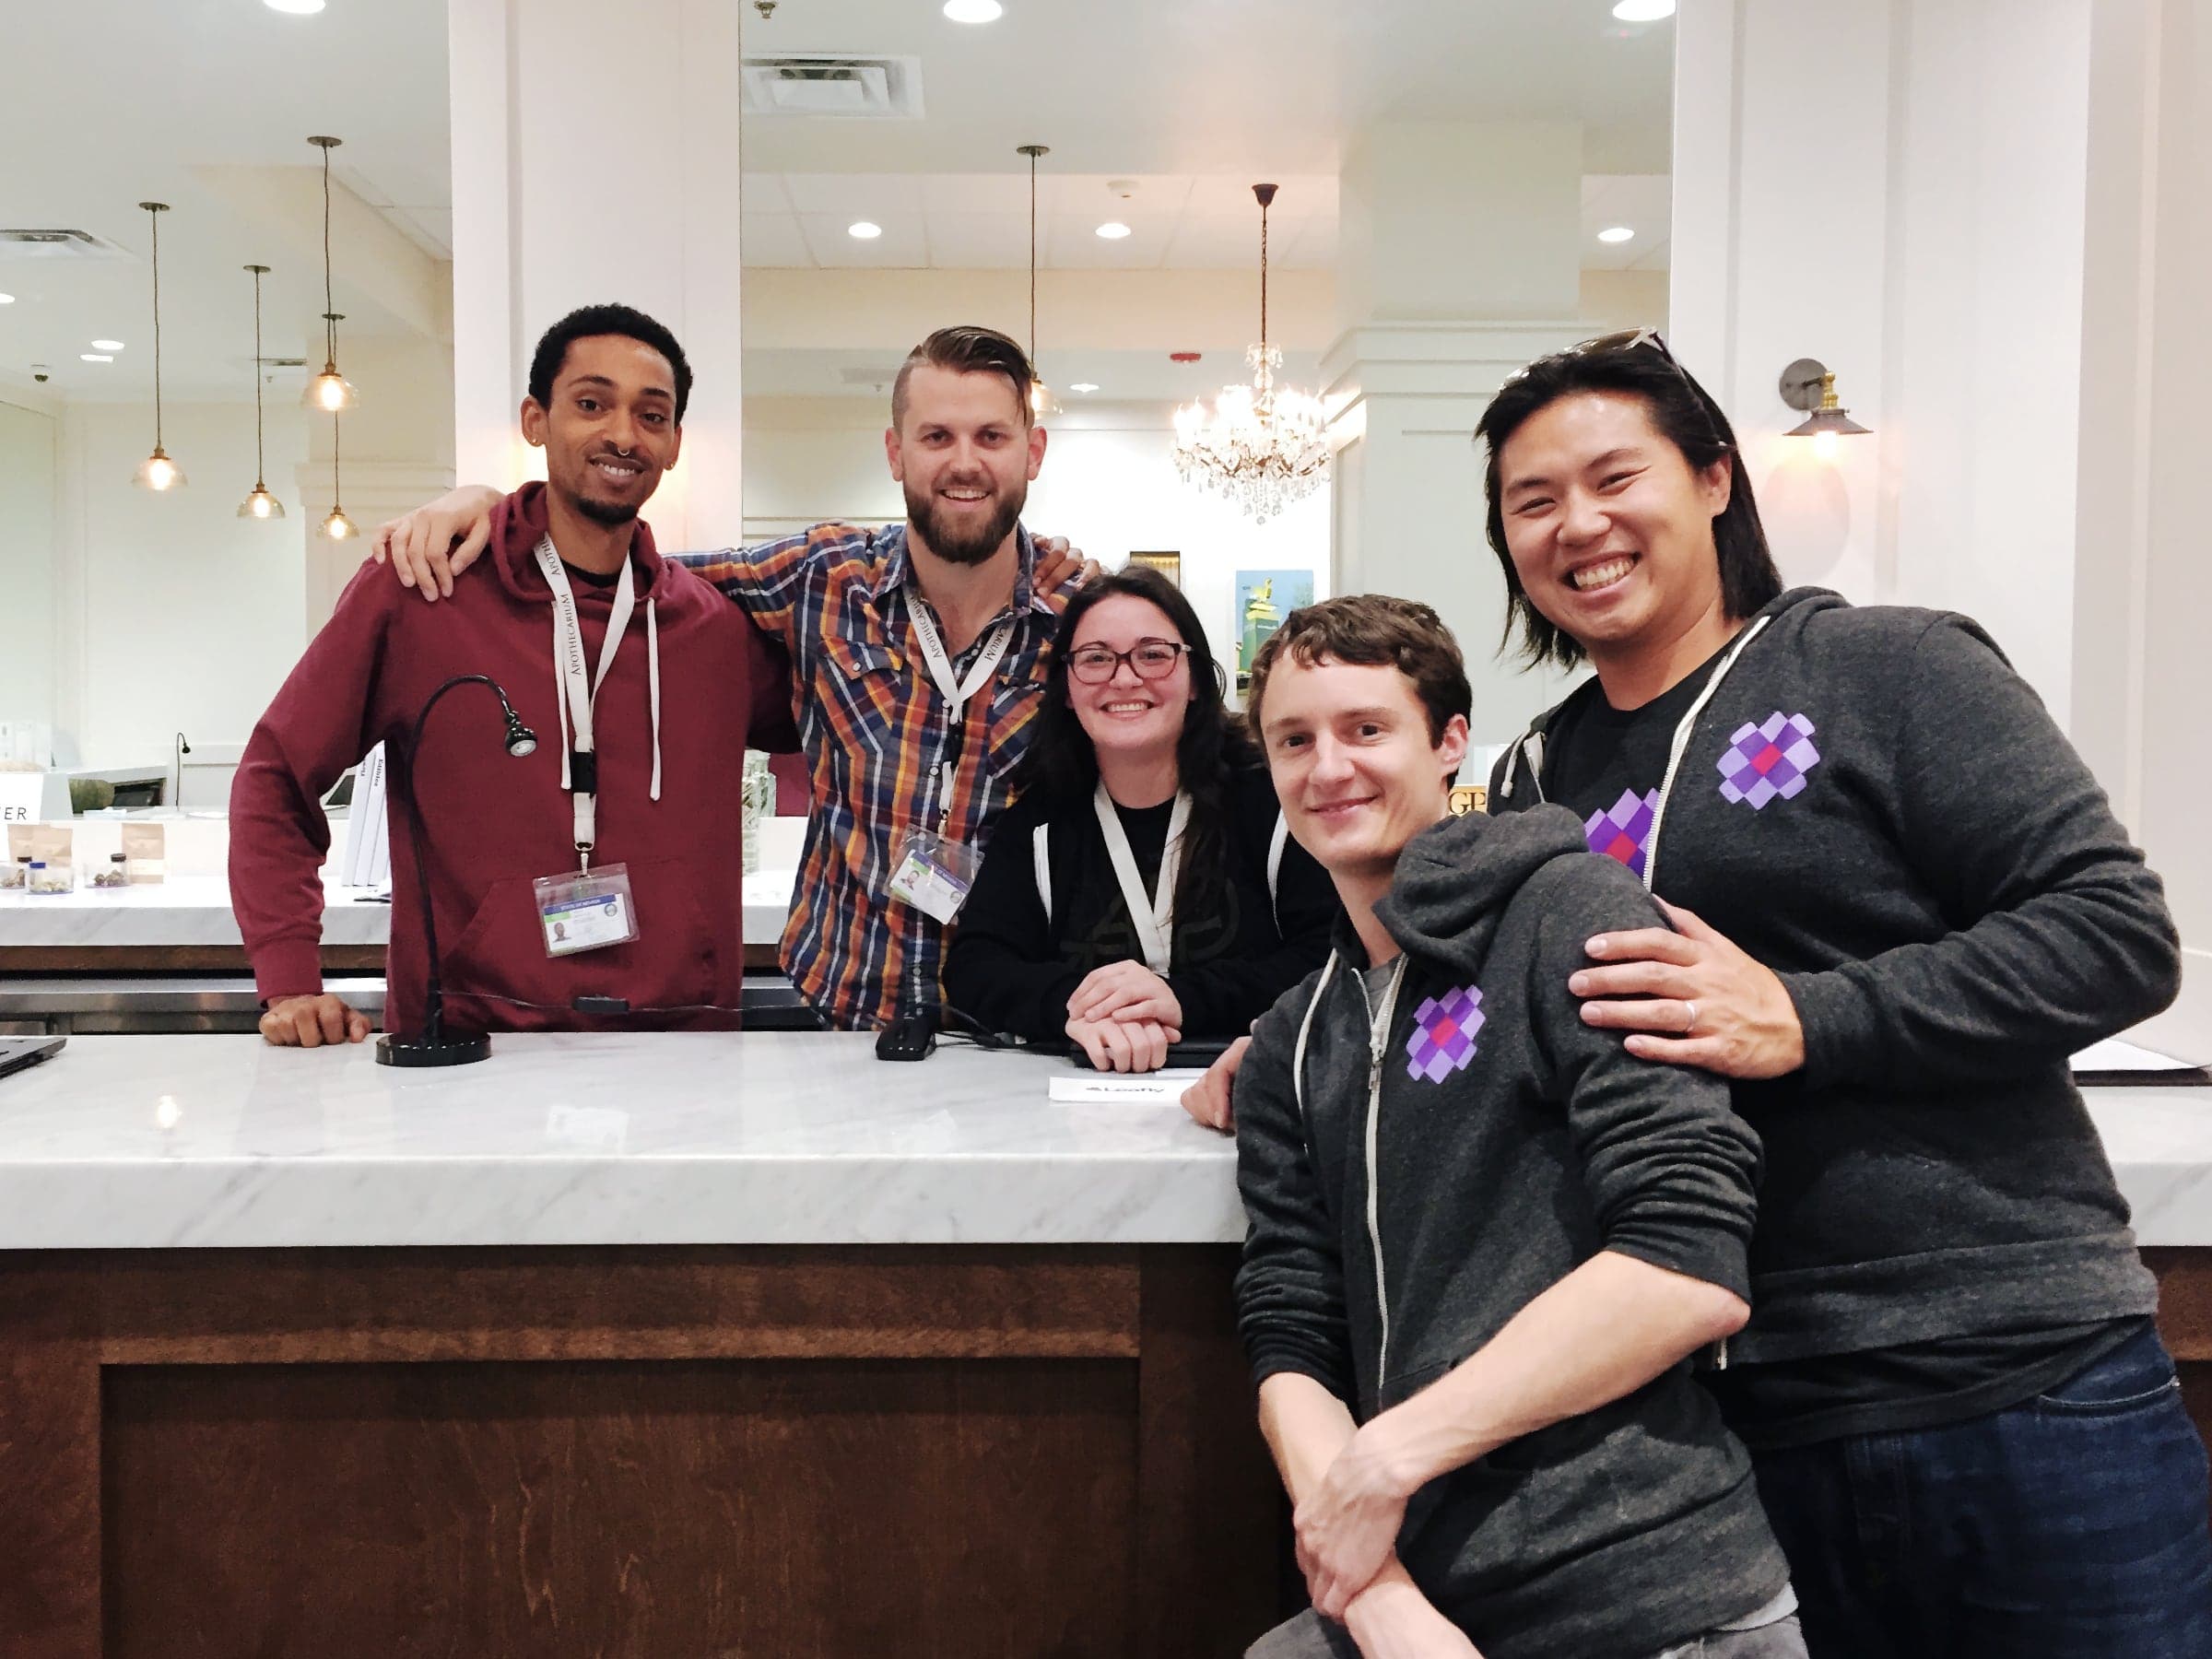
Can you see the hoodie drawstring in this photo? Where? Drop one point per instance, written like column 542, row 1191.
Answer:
column 1681, row 746
column 652, row 682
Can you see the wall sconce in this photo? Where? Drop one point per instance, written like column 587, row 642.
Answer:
column 1810, row 385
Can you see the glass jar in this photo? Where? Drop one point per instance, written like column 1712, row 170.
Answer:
column 112, row 874
column 45, row 877
column 15, row 874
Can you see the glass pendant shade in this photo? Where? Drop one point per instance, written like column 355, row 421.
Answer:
column 158, row 472
column 329, row 392
column 261, row 504
column 338, row 527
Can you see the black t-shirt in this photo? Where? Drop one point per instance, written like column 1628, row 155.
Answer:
column 1606, row 765
column 1232, row 953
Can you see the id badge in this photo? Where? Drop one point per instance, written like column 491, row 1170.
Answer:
column 934, row 874
column 585, row 912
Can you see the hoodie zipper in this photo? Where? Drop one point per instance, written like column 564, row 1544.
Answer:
column 1378, row 1038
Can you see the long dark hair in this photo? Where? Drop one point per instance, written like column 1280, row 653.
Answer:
column 1640, row 366
column 1062, row 764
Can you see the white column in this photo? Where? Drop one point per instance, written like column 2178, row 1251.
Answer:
column 1898, row 192
column 591, row 167
column 1460, row 260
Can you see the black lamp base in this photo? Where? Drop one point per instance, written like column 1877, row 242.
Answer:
column 426, row 1051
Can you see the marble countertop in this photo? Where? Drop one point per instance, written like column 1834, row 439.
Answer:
column 663, row 1138
column 195, row 909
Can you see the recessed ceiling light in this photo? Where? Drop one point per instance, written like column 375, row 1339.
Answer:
column 7, row 298
column 1644, row 11
column 107, row 345
column 1084, row 386
column 96, row 357
column 974, row 11
column 1113, row 230
column 1618, row 233
column 864, row 230
column 298, row 8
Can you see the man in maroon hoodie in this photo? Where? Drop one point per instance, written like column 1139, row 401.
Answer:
column 627, row 667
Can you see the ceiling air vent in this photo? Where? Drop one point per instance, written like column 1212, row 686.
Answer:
column 28, row 243
column 865, row 89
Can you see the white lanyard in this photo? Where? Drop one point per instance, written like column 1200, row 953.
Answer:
column 955, row 692
column 1155, row 916
column 576, row 694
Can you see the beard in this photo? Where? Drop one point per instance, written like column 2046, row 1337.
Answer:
column 613, row 514
column 971, row 546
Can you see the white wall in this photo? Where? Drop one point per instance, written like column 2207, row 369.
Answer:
column 1921, row 233
column 28, row 491
column 174, row 613
column 1107, row 484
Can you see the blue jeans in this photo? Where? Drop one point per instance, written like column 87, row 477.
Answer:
column 2074, row 1526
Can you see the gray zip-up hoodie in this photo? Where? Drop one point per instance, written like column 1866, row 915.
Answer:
column 1870, row 801
column 1407, row 1199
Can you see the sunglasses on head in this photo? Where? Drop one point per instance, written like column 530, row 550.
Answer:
column 1631, row 340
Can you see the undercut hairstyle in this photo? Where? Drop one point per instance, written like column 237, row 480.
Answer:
column 967, row 349
column 1371, row 630
column 1062, row 765
column 592, row 320
column 1686, row 415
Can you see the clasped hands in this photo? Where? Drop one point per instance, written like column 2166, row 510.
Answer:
column 1124, row 1015
column 1347, row 1534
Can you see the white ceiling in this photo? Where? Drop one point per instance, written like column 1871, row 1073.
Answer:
column 126, row 100
column 1194, row 100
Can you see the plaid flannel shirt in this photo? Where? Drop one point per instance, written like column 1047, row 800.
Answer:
column 875, row 728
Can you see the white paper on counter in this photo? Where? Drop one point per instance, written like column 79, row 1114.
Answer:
column 1145, row 1087
column 2113, row 1055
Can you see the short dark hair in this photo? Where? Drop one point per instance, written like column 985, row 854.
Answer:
column 1372, row 629
column 1635, row 365
column 587, row 321
column 967, row 349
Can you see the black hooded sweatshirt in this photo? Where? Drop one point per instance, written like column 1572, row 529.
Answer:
column 1870, row 801
column 1404, row 1204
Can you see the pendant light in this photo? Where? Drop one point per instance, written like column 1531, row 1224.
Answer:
column 335, row 525
column 329, row 391
column 1261, row 446
column 158, row 471
column 261, row 504
column 1041, row 401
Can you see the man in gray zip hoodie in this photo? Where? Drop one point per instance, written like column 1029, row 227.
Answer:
column 1483, row 1239
column 1900, row 903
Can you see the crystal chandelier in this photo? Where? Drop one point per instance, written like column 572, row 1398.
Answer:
column 1260, row 447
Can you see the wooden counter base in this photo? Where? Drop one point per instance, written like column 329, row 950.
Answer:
column 650, row 1452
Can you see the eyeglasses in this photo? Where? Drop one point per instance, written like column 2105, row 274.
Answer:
column 1148, row 659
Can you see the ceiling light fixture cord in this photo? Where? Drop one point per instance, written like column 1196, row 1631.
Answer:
column 1032, row 259
column 155, row 215
column 330, row 329
column 260, row 471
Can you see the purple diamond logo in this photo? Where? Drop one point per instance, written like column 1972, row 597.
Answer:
column 1768, row 761
column 1622, row 829
column 1443, row 1034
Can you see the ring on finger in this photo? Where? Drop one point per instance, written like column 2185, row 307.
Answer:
column 1689, row 1020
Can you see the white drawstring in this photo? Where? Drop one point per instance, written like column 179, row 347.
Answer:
column 653, row 680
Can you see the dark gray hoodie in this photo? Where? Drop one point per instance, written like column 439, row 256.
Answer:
column 1402, row 1211
column 1870, row 801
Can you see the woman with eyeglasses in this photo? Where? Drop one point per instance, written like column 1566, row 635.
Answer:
column 1140, row 892
column 1901, row 903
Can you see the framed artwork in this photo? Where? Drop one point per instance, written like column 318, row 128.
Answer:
column 1168, row 564
column 1263, row 599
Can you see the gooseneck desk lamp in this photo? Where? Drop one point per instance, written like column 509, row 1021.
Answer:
column 434, row 1046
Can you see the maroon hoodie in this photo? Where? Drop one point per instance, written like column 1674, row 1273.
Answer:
column 492, row 823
